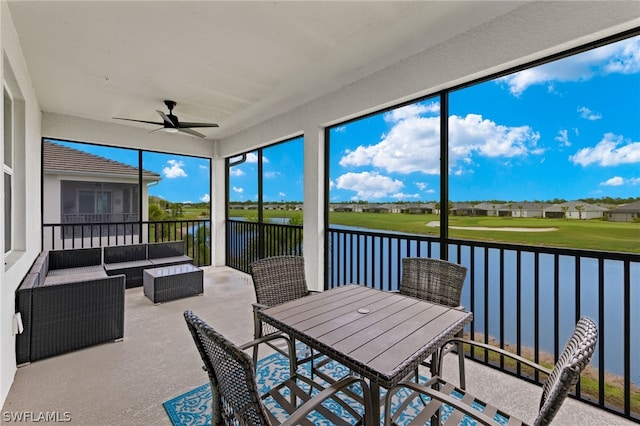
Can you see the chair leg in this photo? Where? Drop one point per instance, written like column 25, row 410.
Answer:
column 257, row 333
column 461, row 363
column 255, row 357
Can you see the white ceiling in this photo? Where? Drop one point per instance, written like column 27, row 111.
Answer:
column 234, row 63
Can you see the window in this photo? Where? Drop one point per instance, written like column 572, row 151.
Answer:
column 94, row 202
column 8, row 171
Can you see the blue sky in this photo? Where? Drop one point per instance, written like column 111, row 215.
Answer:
column 567, row 129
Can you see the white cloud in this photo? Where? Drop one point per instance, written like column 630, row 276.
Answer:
column 203, row 167
column 563, row 137
column 368, row 185
column 235, row 171
column 614, row 181
column 424, row 187
column 612, row 150
column 282, row 194
column 403, row 196
column 411, row 111
column 238, row 189
column 340, row 129
column 587, row 114
column 616, row 58
column 413, row 143
column 271, row 175
column 174, row 170
column 253, row 158
column 187, row 202
column 205, row 198
column 474, row 134
column 619, row 181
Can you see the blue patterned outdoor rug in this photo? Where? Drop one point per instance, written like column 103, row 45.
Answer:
column 193, row 408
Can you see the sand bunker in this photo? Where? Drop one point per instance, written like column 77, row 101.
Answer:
column 486, row 228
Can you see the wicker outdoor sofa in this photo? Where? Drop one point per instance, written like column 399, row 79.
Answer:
column 68, row 302
column 71, row 299
column 133, row 259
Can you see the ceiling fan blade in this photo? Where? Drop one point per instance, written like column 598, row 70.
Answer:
column 166, row 118
column 138, row 121
column 191, row 132
column 189, row 124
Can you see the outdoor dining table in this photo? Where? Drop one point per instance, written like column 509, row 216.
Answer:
column 379, row 335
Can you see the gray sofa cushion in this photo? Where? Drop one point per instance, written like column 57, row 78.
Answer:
column 72, row 271
column 74, row 278
column 127, row 265
column 172, row 260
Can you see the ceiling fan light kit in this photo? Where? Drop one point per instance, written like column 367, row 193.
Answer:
column 171, row 124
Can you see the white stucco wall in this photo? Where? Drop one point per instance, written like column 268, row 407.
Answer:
column 29, row 189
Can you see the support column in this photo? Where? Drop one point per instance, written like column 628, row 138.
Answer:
column 314, row 230
column 218, row 209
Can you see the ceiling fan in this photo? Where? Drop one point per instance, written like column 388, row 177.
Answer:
column 171, row 123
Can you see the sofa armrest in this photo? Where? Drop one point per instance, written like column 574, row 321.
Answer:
column 74, row 315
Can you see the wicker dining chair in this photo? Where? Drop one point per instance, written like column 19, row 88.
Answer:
column 237, row 400
column 436, row 281
column 560, row 381
column 276, row 280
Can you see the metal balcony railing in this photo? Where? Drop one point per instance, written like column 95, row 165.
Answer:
column 250, row 241
column 195, row 233
column 526, row 299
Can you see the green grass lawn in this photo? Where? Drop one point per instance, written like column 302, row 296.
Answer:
column 570, row 233
column 194, row 213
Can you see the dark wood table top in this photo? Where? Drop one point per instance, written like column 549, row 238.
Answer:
column 385, row 344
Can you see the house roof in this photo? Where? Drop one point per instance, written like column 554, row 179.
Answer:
column 62, row 159
column 628, row 208
column 572, row 206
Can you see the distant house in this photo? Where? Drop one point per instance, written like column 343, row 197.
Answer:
column 526, row 209
column 82, row 188
column 417, row 208
column 625, row 213
column 376, row 208
column 574, row 210
column 462, row 209
column 341, row 207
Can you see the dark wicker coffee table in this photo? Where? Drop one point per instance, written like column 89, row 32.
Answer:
column 172, row 282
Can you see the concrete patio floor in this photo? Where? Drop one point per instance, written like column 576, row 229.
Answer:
column 125, row 383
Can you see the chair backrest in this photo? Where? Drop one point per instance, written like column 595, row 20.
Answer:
column 434, row 280
column 235, row 396
column 279, row 279
column 566, row 372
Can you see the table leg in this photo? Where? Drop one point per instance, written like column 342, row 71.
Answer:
column 374, row 389
column 433, row 369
